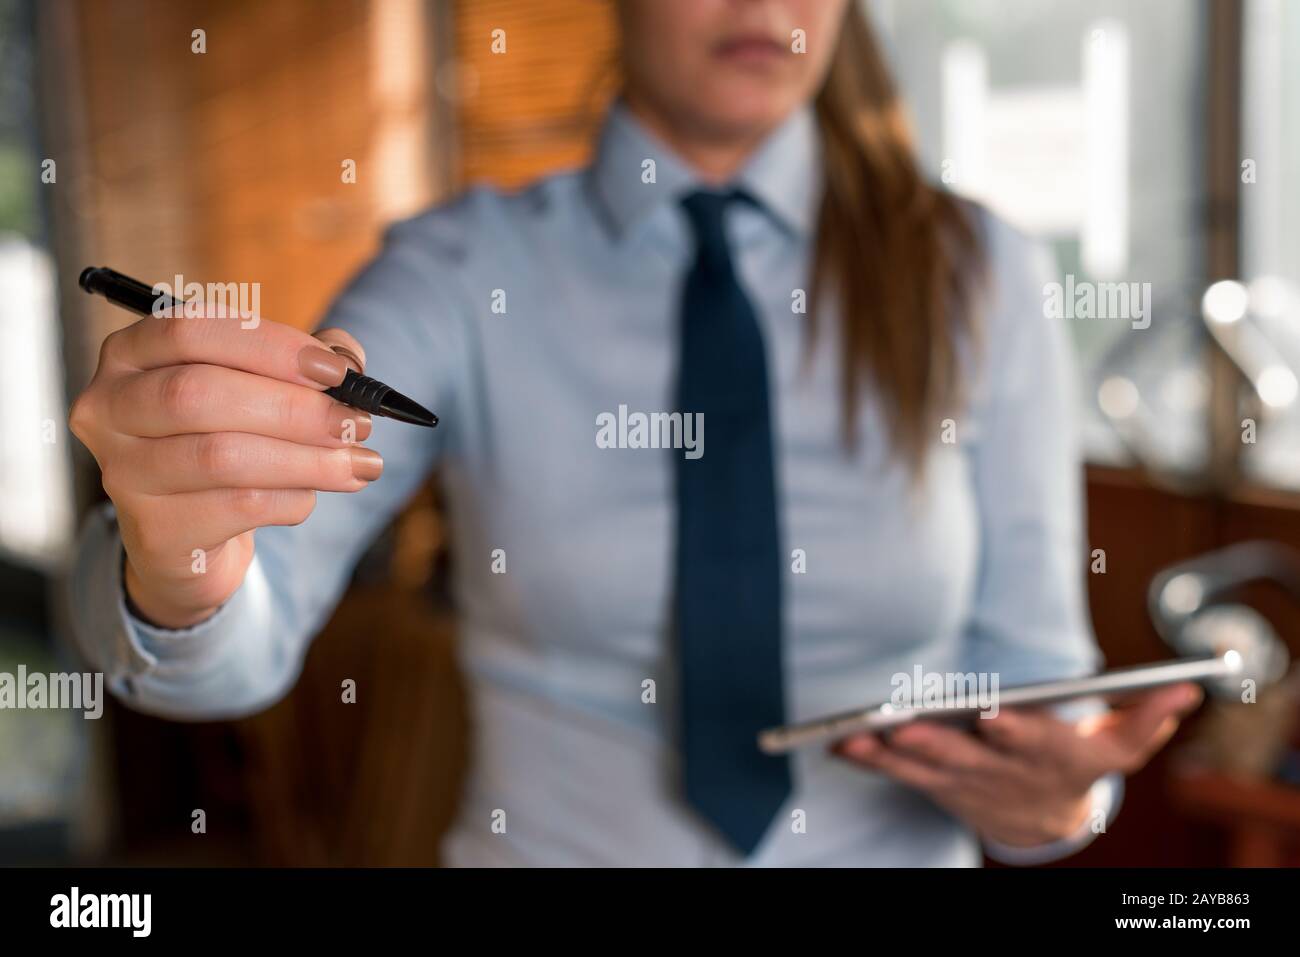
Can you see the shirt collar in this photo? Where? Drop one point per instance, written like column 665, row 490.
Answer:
column 783, row 175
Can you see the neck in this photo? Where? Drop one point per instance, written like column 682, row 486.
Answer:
column 715, row 156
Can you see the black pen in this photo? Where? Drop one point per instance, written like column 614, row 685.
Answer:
column 359, row 391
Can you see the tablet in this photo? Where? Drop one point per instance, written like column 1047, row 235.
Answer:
column 1108, row 684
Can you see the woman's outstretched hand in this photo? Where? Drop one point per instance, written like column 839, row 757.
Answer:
column 206, row 429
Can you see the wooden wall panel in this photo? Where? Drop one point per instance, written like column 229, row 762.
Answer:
column 226, row 166
column 533, row 109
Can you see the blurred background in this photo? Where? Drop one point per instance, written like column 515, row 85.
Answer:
column 1146, row 140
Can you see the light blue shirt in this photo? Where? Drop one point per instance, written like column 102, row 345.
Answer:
column 522, row 318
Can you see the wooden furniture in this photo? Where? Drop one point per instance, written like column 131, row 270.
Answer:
column 1260, row 820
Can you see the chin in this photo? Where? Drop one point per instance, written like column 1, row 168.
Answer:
column 746, row 110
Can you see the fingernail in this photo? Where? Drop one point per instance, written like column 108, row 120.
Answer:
column 367, row 464
column 321, row 365
column 361, row 424
column 349, row 357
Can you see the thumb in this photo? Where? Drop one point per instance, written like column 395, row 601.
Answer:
column 1141, row 728
column 346, row 345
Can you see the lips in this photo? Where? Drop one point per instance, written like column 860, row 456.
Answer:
column 751, row 48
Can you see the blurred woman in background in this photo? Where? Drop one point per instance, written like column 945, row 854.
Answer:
column 890, row 479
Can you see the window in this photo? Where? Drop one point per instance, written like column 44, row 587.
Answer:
column 1082, row 122
column 1270, row 237
column 35, row 485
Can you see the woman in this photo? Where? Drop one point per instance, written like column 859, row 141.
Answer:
column 889, row 481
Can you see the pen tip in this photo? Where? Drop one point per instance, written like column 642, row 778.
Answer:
column 397, row 406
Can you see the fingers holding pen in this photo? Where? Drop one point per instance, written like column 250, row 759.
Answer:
column 206, row 427
column 267, row 349
column 207, row 398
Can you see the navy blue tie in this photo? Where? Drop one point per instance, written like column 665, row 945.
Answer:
column 728, row 584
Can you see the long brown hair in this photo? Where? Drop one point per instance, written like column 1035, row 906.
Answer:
column 902, row 258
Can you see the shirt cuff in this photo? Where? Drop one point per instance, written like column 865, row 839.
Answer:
column 1106, row 796
column 156, row 643
column 206, row 670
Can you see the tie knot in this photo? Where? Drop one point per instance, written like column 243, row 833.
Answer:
column 704, row 210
